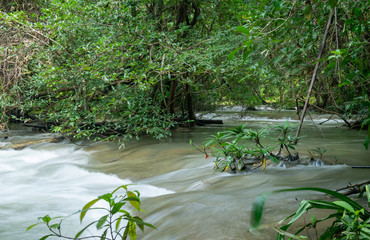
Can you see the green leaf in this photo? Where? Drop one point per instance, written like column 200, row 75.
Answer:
column 80, row 232
column 282, row 232
column 232, row 53
column 101, row 221
column 344, row 205
column 133, row 199
column 303, row 207
column 242, row 29
column 123, row 186
column 31, row 226
column 117, row 207
column 106, row 197
column 86, row 208
column 46, row 236
column 274, row 159
column 132, row 230
column 291, row 147
column 366, row 142
column 365, row 232
column 46, row 219
column 118, row 222
column 257, row 209
column 139, row 221
column 333, row 3
column 103, row 236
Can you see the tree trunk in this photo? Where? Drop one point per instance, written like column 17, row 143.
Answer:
column 189, row 104
column 172, row 98
column 314, row 75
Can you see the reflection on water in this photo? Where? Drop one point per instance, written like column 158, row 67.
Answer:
column 181, row 195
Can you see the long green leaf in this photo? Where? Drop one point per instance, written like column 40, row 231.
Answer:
column 345, row 205
column 290, row 234
column 303, row 207
column 324, row 205
column 118, row 222
column 31, row 226
column 123, row 186
column 80, row 232
column 86, row 208
column 46, row 236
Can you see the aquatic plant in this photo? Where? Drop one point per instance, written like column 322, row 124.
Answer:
column 238, row 147
column 117, row 223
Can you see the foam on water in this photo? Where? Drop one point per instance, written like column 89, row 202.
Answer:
column 36, row 182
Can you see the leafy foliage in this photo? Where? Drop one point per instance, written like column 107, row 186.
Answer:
column 106, row 69
column 349, row 220
column 238, row 147
column 117, row 223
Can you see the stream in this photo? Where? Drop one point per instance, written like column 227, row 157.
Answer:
column 181, row 195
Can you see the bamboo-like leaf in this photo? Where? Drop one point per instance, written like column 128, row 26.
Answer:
column 86, row 208
column 303, row 207
column 344, row 205
column 324, row 205
column 367, row 187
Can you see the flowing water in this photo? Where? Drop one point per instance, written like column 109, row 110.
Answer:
column 182, row 196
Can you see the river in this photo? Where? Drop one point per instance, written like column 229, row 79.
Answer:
column 181, row 195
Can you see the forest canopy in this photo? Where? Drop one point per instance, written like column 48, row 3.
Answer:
column 107, row 69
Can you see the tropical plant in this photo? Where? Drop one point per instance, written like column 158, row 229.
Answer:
column 116, row 223
column 349, row 220
column 238, row 147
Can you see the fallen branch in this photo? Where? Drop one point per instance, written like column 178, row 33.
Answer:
column 353, row 189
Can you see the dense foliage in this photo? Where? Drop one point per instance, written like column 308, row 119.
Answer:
column 124, row 68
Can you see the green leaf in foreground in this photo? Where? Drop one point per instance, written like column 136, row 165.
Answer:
column 86, row 208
